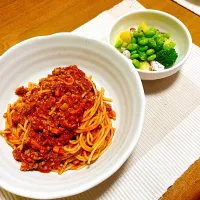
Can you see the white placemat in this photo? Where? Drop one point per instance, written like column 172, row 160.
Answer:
column 170, row 140
column 193, row 5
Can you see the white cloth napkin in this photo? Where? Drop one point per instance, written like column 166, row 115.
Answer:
column 193, row 5
column 170, row 140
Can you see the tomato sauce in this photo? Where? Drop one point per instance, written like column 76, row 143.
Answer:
column 55, row 110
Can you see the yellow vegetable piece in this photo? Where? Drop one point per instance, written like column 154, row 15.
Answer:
column 144, row 65
column 143, row 27
column 126, row 36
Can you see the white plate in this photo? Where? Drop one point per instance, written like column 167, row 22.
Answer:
column 35, row 58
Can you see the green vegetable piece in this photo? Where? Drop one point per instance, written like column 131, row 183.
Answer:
column 143, row 41
column 125, row 44
column 132, row 47
column 151, row 43
column 136, row 63
column 118, row 43
column 150, row 52
column 119, row 49
column 158, row 37
column 142, row 55
column 134, row 40
column 157, row 33
column 134, row 56
column 167, row 35
column 166, row 57
column 159, row 44
column 140, row 34
column 160, row 41
column 151, row 57
column 149, row 33
column 153, row 28
column 143, row 48
column 135, row 34
column 133, row 52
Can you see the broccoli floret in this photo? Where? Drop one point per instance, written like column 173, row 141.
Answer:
column 166, row 57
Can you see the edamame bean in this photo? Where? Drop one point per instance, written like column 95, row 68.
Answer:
column 143, row 41
column 150, row 52
column 140, row 34
column 134, row 56
column 152, row 43
column 149, row 33
column 153, row 28
column 152, row 57
column 134, row 40
column 133, row 52
column 132, row 47
column 143, row 48
column 158, row 36
column 142, row 55
column 167, row 35
column 136, row 63
column 159, row 44
column 135, row 34
column 120, row 50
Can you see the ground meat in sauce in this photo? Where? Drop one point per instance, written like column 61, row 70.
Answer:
column 54, row 116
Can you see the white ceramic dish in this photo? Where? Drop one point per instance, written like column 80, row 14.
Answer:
column 164, row 22
column 35, row 58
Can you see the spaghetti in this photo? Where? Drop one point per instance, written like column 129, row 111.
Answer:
column 63, row 123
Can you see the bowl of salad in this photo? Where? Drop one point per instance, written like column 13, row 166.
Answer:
column 155, row 42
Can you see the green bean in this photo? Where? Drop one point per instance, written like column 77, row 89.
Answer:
column 167, row 35
column 119, row 50
column 134, row 56
column 152, row 43
column 132, row 47
column 142, row 55
column 135, row 34
column 150, row 52
column 158, row 36
column 149, row 33
column 159, row 44
column 143, row 48
column 134, row 40
column 140, row 34
column 133, row 52
column 153, row 28
column 136, row 63
column 143, row 41
column 152, row 57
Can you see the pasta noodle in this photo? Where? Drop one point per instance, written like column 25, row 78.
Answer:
column 63, row 123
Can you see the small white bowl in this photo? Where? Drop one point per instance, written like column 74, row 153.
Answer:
column 165, row 23
column 34, row 59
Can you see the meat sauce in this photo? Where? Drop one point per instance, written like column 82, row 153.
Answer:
column 55, row 110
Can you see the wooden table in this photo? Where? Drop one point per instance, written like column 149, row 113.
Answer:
column 21, row 19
